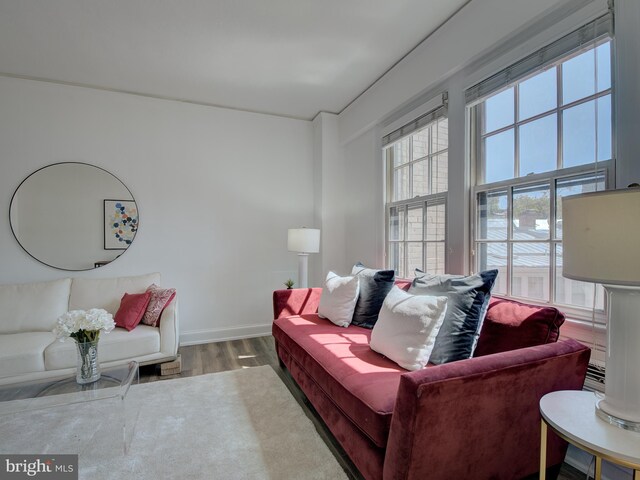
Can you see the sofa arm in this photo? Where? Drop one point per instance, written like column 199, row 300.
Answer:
column 169, row 329
column 295, row 301
column 480, row 418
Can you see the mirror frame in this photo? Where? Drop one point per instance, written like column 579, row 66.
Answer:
column 70, row 163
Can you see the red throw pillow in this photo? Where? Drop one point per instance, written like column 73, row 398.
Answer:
column 132, row 308
column 160, row 298
column 510, row 325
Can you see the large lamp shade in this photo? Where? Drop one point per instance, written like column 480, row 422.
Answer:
column 601, row 237
column 601, row 244
column 303, row 240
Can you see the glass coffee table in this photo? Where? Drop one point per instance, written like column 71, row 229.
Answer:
column 81, row 413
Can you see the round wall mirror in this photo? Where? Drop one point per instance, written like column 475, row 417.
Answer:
column 73, row 216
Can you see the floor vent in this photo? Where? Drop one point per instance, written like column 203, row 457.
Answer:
column 595, row 378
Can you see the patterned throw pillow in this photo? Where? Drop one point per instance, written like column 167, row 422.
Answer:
column 160, row 298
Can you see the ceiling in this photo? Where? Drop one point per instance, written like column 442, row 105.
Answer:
column 283, row 57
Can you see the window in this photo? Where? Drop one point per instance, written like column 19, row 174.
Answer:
column 534, row 141
column 417, row 184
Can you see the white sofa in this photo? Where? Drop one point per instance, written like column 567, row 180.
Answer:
column 28, row 312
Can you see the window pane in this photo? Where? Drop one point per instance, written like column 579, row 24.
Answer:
column 440, row 135
column 498, row 111
column 538, row 145
column 436, row 223
column 420, row 141
column 396, row 259
column 414, row 228
column 396, row 223
column 579, row 135
column 537, row 94
column 603, row 66
column 531, row 207
column 494, row 256
column 414, row 257
column 604, row 128
column 440, row 173
column 435, row 257
column 420, row 178
column 578, row 77
column 531, row 271
column 572, row 292
column 499, row 157
column 575, row 186
column 401, row 152
column 401, row 183
column 492, row 215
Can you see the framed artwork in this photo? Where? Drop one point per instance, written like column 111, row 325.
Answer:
column 120, row 223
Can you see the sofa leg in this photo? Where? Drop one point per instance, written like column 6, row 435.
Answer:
column 171, row 368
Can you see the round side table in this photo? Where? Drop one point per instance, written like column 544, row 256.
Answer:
column 572, row 416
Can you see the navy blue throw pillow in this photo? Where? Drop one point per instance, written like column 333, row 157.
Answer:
column 374, row 286
column 468, row 300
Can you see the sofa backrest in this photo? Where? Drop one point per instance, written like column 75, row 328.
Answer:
column 509, row 325
column 33, row 306
column 106, row 293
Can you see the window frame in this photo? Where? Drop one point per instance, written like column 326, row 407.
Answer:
column 423, row 201
column 475, row 114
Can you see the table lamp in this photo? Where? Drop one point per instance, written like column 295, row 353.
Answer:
column 601, row 244
column 304, row 241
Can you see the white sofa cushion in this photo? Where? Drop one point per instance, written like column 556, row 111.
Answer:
column 119, row 344
column 106, row 293
column 33, row 306
column 23, row 352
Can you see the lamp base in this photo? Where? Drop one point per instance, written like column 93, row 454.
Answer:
column 613, row 420
column 303, row 267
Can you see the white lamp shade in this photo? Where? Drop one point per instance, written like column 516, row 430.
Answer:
column 304, row 240
column 601, row 237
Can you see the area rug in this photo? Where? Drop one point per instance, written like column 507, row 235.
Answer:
column 240, row 424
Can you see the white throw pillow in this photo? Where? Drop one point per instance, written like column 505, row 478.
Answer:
column 407, row 327
column 338, row 300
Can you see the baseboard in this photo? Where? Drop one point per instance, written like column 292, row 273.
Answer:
column 196, row 337
column 582, row 461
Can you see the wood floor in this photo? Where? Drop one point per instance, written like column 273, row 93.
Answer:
column 254, row 352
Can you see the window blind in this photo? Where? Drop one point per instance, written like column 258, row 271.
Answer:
column 599, row 28
column 418, row 123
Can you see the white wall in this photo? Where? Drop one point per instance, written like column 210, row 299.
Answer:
column 217, row 190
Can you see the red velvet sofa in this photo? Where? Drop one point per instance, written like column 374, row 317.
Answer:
column 470, row 419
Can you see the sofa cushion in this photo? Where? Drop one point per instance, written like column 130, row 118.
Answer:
column 467, row 306
column 362, row 383
column 338, row 299
column 509, row 325
column 33, row 306
column 160, row 298
column 23, row 352
column 407, row 328
column 106, row 293
column 119, row 344
column 374, row 287
column 131, row 310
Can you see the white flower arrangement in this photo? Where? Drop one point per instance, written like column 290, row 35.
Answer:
column 84, row 325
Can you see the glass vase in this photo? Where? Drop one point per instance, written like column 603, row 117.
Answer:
column 88, row 368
